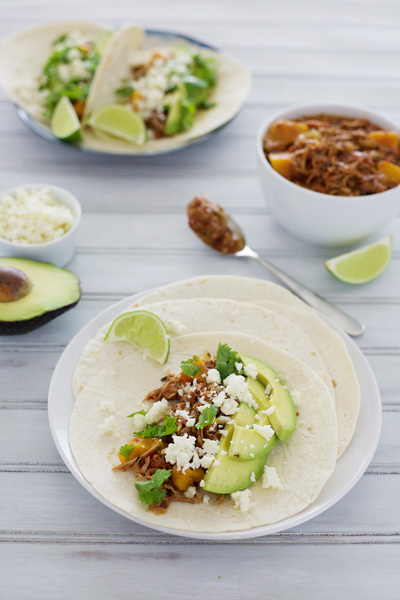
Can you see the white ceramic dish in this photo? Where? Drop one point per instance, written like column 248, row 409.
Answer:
column 321, row 218
column 60, row 251
column 349, row 468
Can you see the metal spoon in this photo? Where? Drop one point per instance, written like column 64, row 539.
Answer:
column 334, row 313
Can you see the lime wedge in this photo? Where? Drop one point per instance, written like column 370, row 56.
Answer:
column 145, row 330
column 65, row 124
column 364, row 264
column 121, row 122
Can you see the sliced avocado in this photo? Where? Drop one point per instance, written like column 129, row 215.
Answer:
column 245, row 415
column 231, row 475
column 173, row 123
column 197, row 89
column 50, row 291
column 284, row 418
column 247, row 443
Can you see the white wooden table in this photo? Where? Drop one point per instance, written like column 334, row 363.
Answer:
column 58, row 542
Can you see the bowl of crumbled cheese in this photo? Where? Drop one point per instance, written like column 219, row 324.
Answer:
column 39, row 221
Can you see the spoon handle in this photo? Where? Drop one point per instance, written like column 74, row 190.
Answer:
column 338, row 316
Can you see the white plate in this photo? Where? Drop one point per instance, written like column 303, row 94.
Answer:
column 349, row 467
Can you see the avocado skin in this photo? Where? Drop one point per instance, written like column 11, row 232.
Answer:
column 17, row 327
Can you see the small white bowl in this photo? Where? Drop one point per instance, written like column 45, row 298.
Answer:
column 322, row 218
column 59, row 251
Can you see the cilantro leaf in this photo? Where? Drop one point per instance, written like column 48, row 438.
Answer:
column 207, row 416
column 189, row 367
column 126, row 450
column 226, row 359
column 125, row 91
column 150, row 492
column 158, row 431
column 138, row 412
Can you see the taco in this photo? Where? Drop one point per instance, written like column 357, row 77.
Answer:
column 329, row 344
column 212, row 443
column 180, row 90
column 40, row 66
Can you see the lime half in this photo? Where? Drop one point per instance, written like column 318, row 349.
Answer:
column 65, row 124
column 121, row 122
column 145, row 330
column 364, row 264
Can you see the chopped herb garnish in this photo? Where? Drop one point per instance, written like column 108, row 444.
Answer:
column 158, row 431
column 126, row 450
column 125, row 91
column 150, row 492
column 189, row 366
column 226, row 359
column 207, row 416
column 138, row 412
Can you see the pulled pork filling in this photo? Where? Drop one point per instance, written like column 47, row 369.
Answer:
column 187, row 398
column 335, row 155
column 209, row 222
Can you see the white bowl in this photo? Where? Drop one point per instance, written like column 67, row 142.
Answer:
column 322, row 218
column 58, row 252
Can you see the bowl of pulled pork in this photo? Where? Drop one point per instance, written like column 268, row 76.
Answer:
column 330, row 173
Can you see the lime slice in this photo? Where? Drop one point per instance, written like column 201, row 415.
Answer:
column 65, row 123
column 121, row 122
column 145, row 330
column 364, row 264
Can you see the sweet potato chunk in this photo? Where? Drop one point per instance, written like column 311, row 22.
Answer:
column 79, row 107
column 286, row 131
column 282, row 163
column 389, row 139
column 183, row 480
column 140, row 446
column 391, row 170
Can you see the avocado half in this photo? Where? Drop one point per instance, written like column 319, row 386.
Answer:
column 33, row 293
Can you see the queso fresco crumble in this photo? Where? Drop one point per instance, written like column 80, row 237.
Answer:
column 33, row 216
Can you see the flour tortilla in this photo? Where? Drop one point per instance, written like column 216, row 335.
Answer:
column 200, row 315
column 233, row 86
column 265, row 293
column 303, row 464
column 23, row 56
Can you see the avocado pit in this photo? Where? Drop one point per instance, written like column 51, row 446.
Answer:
column 14, row 284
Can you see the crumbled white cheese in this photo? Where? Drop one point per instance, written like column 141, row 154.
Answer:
column 33, row 216
column 229, row 406
column 202, row 483
column 182, row 413
column 203, row 407
column 238, row 367
column 157, row 411
column 190, row 492
column 109, row 425
column 210, row 446
column 242, row 500
column 251, row 371
column 139, row 422
column 191, row 422
column 181, row 451
column 175, row 327
column 206, row 499
column 270, row 410
column 271, row 479
column 265, row 431
column 295, row 397
column 236, row 387
column 219, row 399
column 213, row 376
column 268, row 389
column 108, row 405
column 252, row 477
column 251, row 454
column 206, row 461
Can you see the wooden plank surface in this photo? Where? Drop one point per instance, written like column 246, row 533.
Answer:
column 58, row 542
